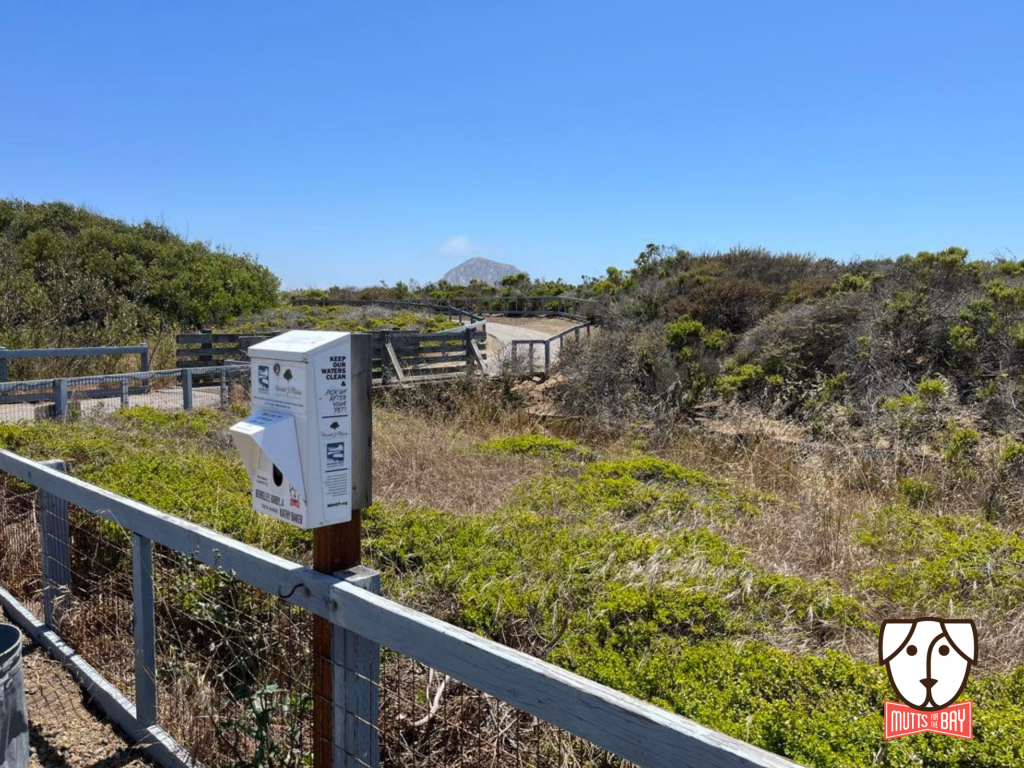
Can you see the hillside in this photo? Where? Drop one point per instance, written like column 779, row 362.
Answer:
column 890, row 350
column 479, row 269
column 70, row 277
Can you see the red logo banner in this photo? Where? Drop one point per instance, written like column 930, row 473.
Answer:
column 954, row 720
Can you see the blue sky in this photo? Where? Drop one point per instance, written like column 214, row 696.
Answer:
column 350, row 142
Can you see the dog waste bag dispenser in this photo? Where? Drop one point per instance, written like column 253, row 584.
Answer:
column 306, row 445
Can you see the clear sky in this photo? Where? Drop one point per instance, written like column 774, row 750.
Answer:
column 350, row 142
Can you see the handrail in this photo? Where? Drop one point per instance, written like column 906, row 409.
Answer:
column 633, row 729
column 25, row 354
column 559, row 337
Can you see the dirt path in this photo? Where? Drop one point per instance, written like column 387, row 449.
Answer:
column 63, row 730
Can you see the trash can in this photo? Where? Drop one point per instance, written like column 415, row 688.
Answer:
column 13, row 715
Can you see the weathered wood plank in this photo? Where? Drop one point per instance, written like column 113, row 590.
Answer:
column 635, row 730
column 302, row 586
column 145, row 630
column 18, row 354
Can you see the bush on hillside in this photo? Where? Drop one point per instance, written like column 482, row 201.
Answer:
column 70, row 277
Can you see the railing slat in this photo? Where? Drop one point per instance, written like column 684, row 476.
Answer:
column 145, row 630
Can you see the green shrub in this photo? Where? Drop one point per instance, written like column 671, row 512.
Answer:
column 917, row 493
column 942, row 563
column 538, row 445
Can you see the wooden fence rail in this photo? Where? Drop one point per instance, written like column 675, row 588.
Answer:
column 141, row 350
column 60, row 393
column 546, row 345
column 630, row 728
column 396, row 356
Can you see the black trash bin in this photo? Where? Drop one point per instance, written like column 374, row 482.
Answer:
column 13, row 715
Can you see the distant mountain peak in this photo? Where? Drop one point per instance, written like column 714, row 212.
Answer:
column 479, row 268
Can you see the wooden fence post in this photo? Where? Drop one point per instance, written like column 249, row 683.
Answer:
column 223, row 386
column 186, row 389
column 145, row 630
column 356, row 662
column 547, row 358
column 3, row 367
column 55, row 541
column 144, row 358
column 60, row 399
column 468, row 335
column 206, row 359
column 335, row 548
column 124, row 393
column 385, row 362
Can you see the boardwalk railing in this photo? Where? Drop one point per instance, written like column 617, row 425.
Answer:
column 34, row 354
column 168, row 389
column 539, row 698
column 396, row 356
column 533, row 346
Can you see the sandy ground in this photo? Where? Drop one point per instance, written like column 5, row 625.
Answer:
column 546, row 325
column 64, row 732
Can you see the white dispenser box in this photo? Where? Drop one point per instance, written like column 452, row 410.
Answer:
column 307, row 444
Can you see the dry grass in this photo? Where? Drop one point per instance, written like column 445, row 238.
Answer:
column 425, row 448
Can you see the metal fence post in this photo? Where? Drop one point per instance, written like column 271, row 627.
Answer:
column 124, row 393
column 55, row 540
column 60, row 398
column 186, row 389
column 356, row 662
column 145, row 630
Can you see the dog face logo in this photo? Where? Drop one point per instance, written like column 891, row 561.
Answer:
column 928, row 660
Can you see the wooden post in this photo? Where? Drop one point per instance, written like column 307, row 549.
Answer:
column 124, row 393
column 223, row 386
column 468, row 334
column 144, row 358
column 335, row 548
column 55, row 539
column 186, row 389
column 145, row 630
column 206, row 358
column 547, row 358
column 3, row 367
column 60, row 399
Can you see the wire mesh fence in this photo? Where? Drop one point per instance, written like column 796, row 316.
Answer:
column 430, row 720
column 96, row 396
column 95, row 614
column 234, row 663
column 20, row 543
column 233, row 666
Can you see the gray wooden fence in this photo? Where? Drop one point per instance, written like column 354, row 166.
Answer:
column 141, row 350
column 544, row 346
column 639, row 732
column 396, row 356
column 56, row 396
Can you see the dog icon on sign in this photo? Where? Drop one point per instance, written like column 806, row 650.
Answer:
column 928, row 660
